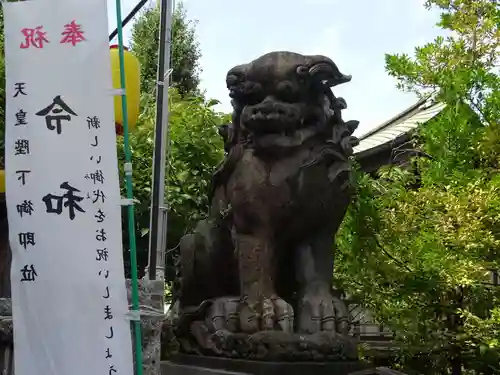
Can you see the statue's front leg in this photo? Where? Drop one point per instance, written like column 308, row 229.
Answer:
column 260, row 307
column 318, row 309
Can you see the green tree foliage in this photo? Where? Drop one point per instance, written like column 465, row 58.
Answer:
column 418, row 249
column 194, row 152
column 195, row 146
column 185, row 52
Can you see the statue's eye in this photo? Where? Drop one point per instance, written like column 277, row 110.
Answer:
column 286, row 90
column 232, row 80
column 252, row 88
column 253, row 92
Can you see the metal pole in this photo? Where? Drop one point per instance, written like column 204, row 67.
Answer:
column 130, row 195
column 131, row 15
column 158, row 218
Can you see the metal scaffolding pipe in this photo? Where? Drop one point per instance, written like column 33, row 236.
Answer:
column 158, row 217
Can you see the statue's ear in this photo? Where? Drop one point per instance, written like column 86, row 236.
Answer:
column 352, row 125
column 325, row 71
column 341, row 103
column 234, row 78
column 224, row 131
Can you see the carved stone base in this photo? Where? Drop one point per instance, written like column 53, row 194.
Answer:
column 273, row 346
column 199, row 365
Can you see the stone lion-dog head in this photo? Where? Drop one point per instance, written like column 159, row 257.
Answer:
column 282, row 99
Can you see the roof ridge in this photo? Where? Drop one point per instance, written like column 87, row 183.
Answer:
column 407, row 112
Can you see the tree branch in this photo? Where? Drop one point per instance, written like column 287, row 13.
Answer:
column 389, row 255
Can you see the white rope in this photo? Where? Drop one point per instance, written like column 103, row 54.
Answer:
column 144, row 311
column 165, row 77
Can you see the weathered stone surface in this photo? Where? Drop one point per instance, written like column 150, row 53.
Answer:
column 6, row 325
column 5, row 307
column 275, row 346
column 169, row 368
column 151, row 294
column 262, row 261
column 198, row 365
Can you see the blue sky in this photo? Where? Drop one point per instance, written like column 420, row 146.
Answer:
column 355, row 34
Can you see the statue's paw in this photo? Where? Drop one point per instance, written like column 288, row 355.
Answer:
column 267, row 313
column 222, row 317
column 318, row 312
column 342, row 316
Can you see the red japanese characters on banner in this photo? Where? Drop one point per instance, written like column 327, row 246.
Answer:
column 72, row 33
column 34, row 37
column 37, row 37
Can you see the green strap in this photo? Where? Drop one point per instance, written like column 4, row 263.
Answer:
column 130, row 195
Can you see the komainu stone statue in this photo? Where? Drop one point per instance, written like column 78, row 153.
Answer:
column 256, row 275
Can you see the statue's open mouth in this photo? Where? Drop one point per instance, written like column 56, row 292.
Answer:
column 272, row 117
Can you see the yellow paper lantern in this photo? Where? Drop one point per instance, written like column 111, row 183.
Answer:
column 132, row 87
column 2, row 181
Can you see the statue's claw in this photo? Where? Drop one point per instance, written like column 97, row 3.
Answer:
column 317, row 312
column 223, row 315
column 342, row 315
column 233, row 314
column 268, row 313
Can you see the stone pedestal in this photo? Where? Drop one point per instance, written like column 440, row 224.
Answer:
column 152, row 294
column 199, row 365
column 6, row 326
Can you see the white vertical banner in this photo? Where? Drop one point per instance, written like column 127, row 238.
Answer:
column 68, row 286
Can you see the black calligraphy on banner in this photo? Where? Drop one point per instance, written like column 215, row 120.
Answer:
column 104, row 273
column 25, row 208
column 97, row 159
column 22, row 147
column 28, row 273
column 21, row 118
column 22, row 176
column 26, row 239
column 96, row 142
column 107, row 313
column 97, row 195
column 101, row 235
column 100, row 216
column 19, row 88
column 55, row 113
column 95, row 177
column 111, row 333
column 102, row 255
column 106, row 296
column 93, row 122
column 67, row 200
